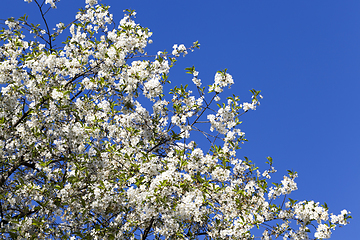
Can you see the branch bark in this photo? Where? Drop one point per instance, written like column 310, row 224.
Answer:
column 147, row 230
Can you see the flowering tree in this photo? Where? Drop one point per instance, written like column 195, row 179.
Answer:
column 84, row 156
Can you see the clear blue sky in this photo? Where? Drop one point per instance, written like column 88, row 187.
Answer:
column 305, row 57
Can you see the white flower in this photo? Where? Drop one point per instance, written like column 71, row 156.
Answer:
column 246, row 106
column 51, row 3
column 322, row 232
column 179, row 49
column 221, row 174
column 91, row 2
column 56, row 94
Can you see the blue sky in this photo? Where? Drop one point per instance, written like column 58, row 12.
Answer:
column 303, row 55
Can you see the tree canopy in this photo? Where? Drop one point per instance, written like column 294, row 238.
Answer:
column 92, row 147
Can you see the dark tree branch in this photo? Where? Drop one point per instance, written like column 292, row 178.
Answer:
column 147, row 230
column 21, row 162
column 19, row 216
column 47, row 27
column 27, row 114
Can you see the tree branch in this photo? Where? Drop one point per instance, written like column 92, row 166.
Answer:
column 147, row 230
column 4, row 177
column 47, row 27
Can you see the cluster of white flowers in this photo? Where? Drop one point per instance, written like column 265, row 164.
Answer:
column 59, row 27
column 254, row 103
column 83, row 156
column 11, row 24
column 91, row 2
column 179, row 49
column 287, row 186
column 246, row 106
column 341, row 218
column 225, row 118
column 98, row 16
column 222, row 79
column 52, row 3
column 195, row 79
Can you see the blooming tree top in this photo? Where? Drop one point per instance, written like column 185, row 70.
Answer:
column 83, row 157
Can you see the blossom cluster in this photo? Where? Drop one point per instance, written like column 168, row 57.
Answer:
column 83, row 156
